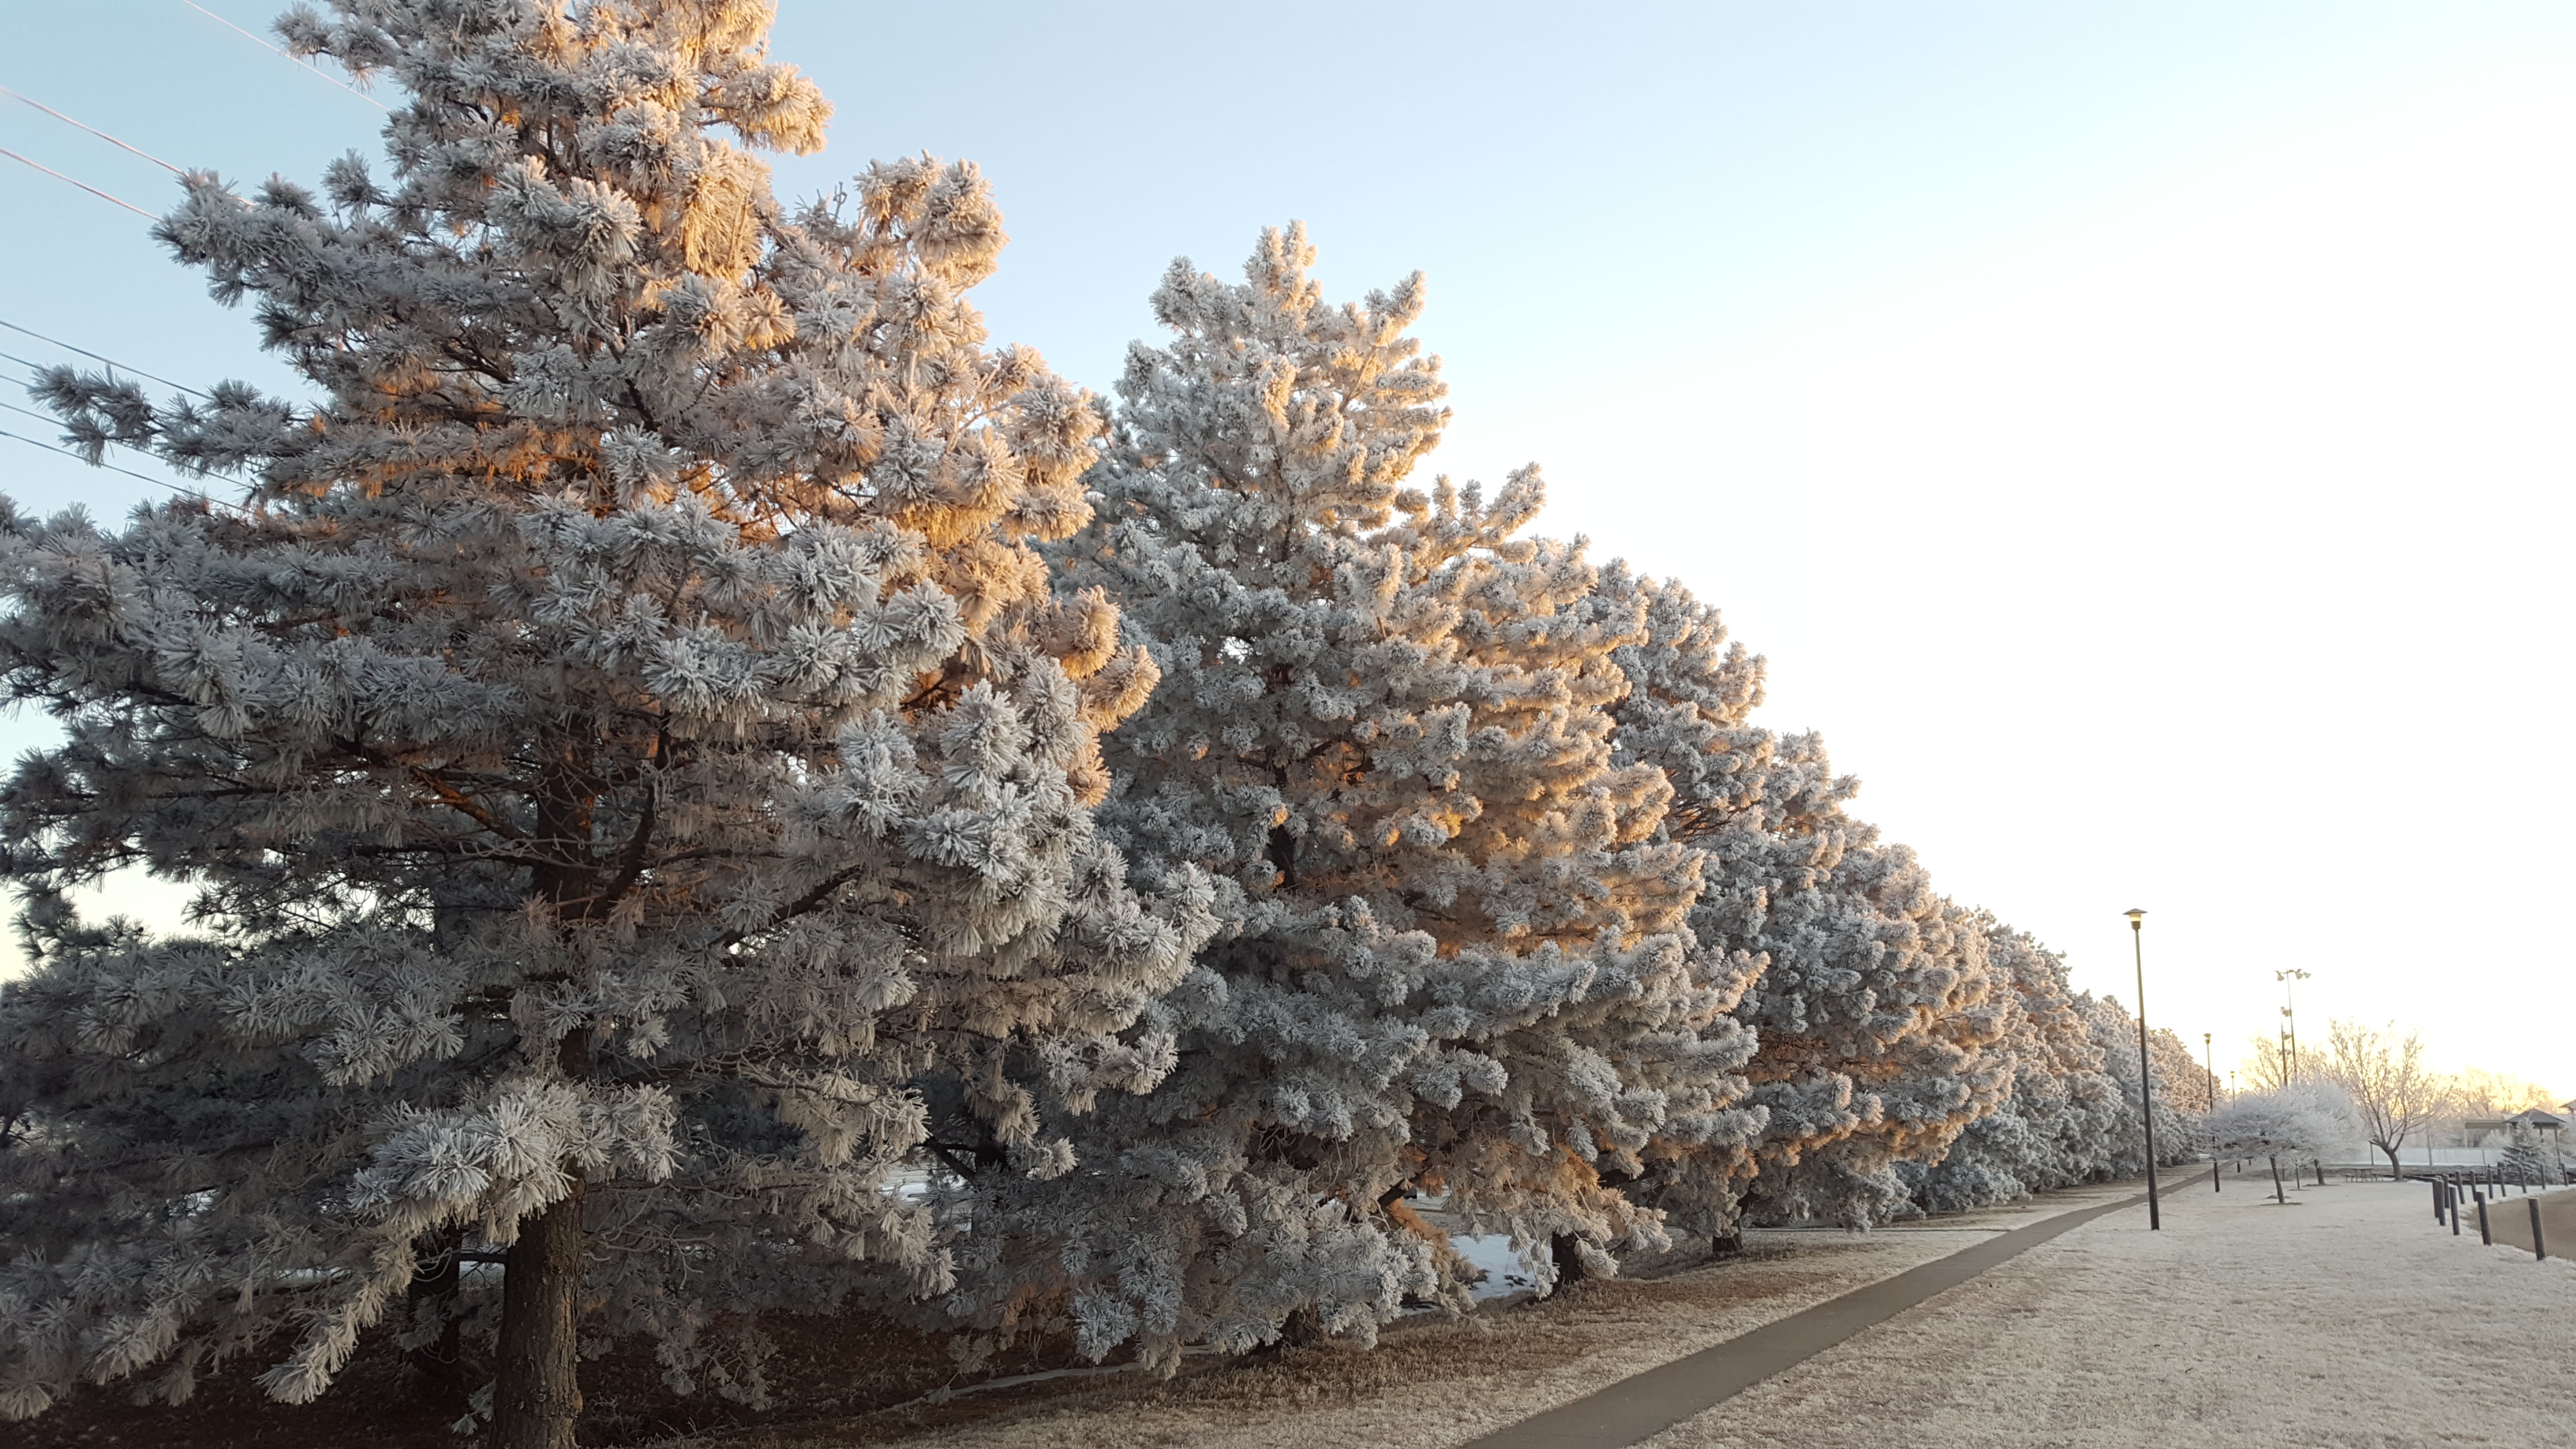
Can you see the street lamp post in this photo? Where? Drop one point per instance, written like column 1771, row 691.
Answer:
column 2289, row 1023
column 2209, row 1096
column 2146, row 1078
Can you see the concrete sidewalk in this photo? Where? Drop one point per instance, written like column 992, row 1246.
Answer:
column 1638, row 1408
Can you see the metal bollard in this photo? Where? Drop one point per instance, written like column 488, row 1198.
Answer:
column 2437, row 1200
column 2484, row 1236
column 2455, row 1212
column 2539, row 1249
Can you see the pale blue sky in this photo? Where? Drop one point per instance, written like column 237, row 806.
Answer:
column 2139, row 435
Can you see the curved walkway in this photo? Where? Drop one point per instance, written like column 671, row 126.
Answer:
column 1638, row 1408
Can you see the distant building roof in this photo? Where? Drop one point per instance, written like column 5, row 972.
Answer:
column 2539, row 1118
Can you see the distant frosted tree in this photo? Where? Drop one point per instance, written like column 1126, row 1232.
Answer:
column 1453, row 957
column 632, row 763
column 2477, row 1092
column 2269, row 1066
column 2181, row 1128
column 2393, row 1093
column 2525, row 1160
column 1869, row 993
column 2294, row 1121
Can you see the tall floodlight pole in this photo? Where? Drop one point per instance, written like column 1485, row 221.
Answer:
column 2289, row 1022
column 2146, row 1079
column 2209, row 1069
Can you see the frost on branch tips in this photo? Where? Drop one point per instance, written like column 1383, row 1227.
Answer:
column 631, row 762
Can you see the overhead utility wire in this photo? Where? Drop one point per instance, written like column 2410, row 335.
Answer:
column 111, row 467
column 83, row 185
column 39, row 417
column 179, row 488
column 92, row 356
column 299, row 60
column 93, row 130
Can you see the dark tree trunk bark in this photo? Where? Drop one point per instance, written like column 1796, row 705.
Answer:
column 433, row 1291
column 537, row 1400
column 1304, row 1328
column 536, row 1396
column 1562, row 1252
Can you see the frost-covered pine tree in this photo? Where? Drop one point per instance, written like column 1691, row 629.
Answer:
column 2181, row 1127
column 2525, row 1161
column 2064, row 1119
column 1870, row 994
column 631, row 760
column 1921, row 1083
column 1453, row 959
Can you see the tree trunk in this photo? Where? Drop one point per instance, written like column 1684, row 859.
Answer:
column 2394, row 1175
column 538, row 1397
column 1563, row 1251
column 1304, row 1328
column 433, row 1291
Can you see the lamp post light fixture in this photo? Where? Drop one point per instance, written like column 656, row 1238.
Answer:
column 2289, row 1023
column 2210, row 1071
column 2146, row 1078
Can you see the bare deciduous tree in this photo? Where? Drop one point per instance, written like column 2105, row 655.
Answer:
column 2477, row 1093
column 2268, row 1069
column 2384, row 1075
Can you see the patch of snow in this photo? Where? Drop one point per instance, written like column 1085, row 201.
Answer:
column 1505, row 1273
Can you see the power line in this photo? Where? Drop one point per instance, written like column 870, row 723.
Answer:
column 93, row 130
column 93, row 356
column 83, row 185
column 31, row 413
column 282, row 55
column 179, row 488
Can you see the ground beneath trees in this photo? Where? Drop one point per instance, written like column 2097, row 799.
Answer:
column 1431, row 1383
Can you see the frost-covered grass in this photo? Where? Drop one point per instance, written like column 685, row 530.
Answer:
column 2344, row 1319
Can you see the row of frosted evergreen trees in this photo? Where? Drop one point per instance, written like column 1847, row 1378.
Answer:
column 715, row 788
